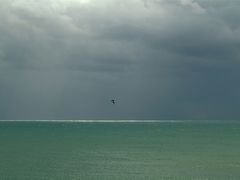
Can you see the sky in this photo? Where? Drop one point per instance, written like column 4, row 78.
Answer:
column 160, row 59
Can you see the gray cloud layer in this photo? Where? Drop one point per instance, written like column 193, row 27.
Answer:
column 161, row 59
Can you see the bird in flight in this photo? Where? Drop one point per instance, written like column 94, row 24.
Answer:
column 113, row 101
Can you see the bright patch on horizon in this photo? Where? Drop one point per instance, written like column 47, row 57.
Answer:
column 67, row 2
column 85, row 1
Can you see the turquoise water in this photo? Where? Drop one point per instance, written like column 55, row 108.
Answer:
column 119, row 151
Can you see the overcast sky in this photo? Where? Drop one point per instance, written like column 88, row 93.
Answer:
column 160, row 59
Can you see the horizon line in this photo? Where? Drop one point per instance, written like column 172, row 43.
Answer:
column 123, row 121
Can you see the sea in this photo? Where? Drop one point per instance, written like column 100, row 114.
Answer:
column 119, row 150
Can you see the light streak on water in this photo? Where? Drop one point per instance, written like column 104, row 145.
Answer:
column 127, row 121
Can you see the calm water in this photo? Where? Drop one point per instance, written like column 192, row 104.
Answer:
column 119, row 151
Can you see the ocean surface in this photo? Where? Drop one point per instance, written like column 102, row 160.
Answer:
column 119, row 151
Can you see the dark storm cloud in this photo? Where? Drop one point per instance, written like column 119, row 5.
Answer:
column 161, row 59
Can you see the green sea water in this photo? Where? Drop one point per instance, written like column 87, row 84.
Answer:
column 119, row 151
